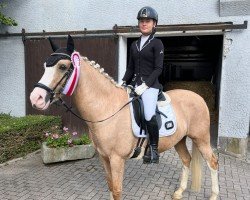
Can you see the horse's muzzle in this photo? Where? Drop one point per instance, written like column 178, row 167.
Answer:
column 39, row 99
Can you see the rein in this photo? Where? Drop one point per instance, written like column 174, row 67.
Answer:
column 85, row 120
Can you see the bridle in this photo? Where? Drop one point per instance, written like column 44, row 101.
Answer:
column 66, row 76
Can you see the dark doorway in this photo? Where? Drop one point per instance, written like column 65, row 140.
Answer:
column 194, row 63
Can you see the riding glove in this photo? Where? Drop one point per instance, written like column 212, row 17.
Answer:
column 140, row 89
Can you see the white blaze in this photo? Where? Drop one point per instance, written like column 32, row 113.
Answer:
column 38, row 95
column 48, row 76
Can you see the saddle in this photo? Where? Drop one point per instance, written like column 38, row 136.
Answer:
column 139, row 111
column 164, row 115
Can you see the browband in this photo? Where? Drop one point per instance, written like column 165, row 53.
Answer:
column 62, row 54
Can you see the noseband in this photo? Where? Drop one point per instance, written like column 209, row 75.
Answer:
column 66, row 75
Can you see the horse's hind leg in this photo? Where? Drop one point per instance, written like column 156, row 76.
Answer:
column 213, row 166
column 212, row 162
column 184, row 154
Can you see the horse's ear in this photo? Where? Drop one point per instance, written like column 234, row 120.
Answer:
column 53, row 45
column 70, row 44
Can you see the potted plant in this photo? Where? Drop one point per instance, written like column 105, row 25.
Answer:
column 66, row 146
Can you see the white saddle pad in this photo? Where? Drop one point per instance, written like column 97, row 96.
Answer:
column 164, row 107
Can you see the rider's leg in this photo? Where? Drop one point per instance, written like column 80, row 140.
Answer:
column 149, row 98
column 152, row 155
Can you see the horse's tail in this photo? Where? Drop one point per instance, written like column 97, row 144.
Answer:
column 196, row 168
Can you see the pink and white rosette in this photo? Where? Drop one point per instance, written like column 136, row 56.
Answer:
column 72, row 81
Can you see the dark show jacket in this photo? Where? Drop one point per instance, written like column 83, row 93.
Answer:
column 145, row 65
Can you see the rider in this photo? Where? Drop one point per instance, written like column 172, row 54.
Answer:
column 144, row 67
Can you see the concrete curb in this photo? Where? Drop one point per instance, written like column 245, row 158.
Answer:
column 21, row 158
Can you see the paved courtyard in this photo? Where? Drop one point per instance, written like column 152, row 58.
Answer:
column 30, row 179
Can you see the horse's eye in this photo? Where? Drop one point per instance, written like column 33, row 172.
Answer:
column 62, row 67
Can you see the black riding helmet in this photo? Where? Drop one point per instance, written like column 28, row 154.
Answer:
column 148, row 12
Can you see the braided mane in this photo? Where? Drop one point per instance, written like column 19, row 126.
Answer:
column 97, row 67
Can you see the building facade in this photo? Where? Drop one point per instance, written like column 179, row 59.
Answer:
column 54, row 16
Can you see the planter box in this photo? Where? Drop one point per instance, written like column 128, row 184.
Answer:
column 52, row 155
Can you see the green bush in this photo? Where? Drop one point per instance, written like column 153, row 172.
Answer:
column 22, row 135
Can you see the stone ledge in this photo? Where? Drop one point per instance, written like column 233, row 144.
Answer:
column 236, row 147
column 28, row 156
column 77, row 152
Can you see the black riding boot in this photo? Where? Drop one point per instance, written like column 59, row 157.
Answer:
column 152, row 155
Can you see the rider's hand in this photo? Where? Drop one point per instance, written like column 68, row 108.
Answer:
column 140, row 89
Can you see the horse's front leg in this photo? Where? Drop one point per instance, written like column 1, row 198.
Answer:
column 106, row 164
column 117, row 171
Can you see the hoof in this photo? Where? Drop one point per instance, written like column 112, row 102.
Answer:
column 111, row 196
column 213, row 197
column 177, row 195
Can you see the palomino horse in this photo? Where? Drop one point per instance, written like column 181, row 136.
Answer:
column 97, row 96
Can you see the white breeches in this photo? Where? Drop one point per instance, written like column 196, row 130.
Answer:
column 149, row 98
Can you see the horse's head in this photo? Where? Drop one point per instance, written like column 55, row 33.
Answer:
column 58, row 70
